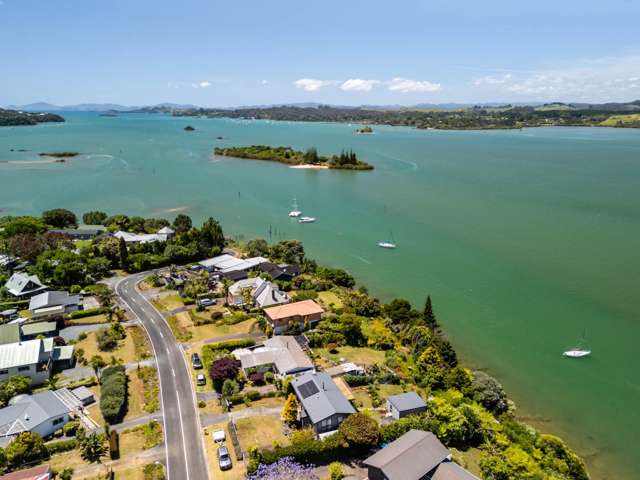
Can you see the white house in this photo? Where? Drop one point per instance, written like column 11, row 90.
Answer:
column 263, row 293
column 34, row 359
column 161, row 235
column 53, row 303
column 23, row 285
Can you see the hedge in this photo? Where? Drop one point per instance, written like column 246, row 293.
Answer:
column 89, row 312
column 235, row 442
column 61, row 446
column 113, row 393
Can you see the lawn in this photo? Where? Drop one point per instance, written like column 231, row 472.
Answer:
column 131, row 441
column 136, row 401
column 357, row 355
column 184, row 329
column 168, row 302
column 261, row 431
column 92, row 320
column 126, row 350
column 140, row 343
column 238, row 471
column 94, row 408
column 150, row 388
column 64, row 460
column 179, row 325
column 614, row 120
column 328, row 298
column 267, row 402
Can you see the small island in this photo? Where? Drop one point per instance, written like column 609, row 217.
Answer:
column 13, row 118
column 364, row 130
column 59, row 154
column 347, row 160
column 189, row 128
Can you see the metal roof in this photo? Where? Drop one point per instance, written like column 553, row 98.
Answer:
column 303, row 308
column 53, row 299
column 410, row 457
column 9, row 333
column 26, row 412
column 39, row 328
column 22, row 284
column 407, row 401
column 283, row 351
column 452, row 471
column 20, row 353
column 320, row 396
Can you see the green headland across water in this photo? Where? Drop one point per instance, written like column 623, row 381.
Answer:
column 524, row 238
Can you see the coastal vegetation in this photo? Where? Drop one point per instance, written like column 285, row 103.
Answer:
column 189, row 128
column 346, row 160
column 473, row 118
column 364, row 130
column 9, row 118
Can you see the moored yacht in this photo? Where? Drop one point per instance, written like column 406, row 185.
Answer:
column 295, row 212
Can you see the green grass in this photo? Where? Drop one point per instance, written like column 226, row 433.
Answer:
column 328, row 298
column 168, row 303
column 622, row 120
column 358, row 355
column 260, row 431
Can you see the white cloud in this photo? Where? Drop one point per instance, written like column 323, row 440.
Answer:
column 205, row 84
column 493, row 79
column 405, row 85
column 264, row 82
column 312, row 84
column 358, row 85
column 600, row 79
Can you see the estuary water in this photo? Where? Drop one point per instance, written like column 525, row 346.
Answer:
column 524, row 239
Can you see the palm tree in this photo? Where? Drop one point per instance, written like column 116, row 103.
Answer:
column 97, row 363
column 93, row 448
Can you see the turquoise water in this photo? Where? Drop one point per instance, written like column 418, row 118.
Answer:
column 523, row 238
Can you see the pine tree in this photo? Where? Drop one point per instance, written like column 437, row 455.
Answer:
column 290, row 410
column 429, row 316
column 124, row 254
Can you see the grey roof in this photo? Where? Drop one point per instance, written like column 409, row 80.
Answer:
column 21, row 353
column 39, row 328
column 410, row 457
column 320, row 396
column 282, row 351
column 264, row 293
column 77, row 232
column 452, row 471
column 22, row 284
column 53, row 299
column 407, row 401
column 82, row 393
column 166, row 231
column 25, row 412
column 9, row 333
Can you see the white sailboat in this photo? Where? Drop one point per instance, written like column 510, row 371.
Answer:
column 579, row 351
column 307, row 219
column 294, row 213
column 389, row 244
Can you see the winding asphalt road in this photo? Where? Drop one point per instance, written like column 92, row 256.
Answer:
column 184, row 445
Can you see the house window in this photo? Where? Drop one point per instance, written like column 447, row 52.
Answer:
column 4, row 372
column 24, row 369
column 58, row 421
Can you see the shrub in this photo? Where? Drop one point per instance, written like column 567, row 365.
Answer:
column 114, row 445
column 154, row 471
column 61, row 446
column 257, row 378
column 70, row 428
column 234, row 441
column 88, row 312
column 230, row 387
column 222, row 369
column 113, row 393
column 269, row 377
column 335, row 471
column 360, row 430
column 489, row 392
column 216, row 315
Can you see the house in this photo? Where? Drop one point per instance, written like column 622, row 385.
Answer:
column 263, row 293
column 8, row 315
column 283, row 272
column 54, row 303
column 24, row 285
column 44, row 413
column 416, row 455
column 226, row 263
column 322, row 404
column 282, row 354
column 404, row 404
column 84, row 395
column 299, row 314
column 161, row 235
column 80, row 233
column 32, row 330
column 7, row 261
column 41, row 472
column 35, row 359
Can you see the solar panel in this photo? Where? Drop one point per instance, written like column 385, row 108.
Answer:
column 308, row 389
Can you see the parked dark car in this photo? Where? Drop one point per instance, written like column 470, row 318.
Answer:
column 224, row 460
column 195, row 361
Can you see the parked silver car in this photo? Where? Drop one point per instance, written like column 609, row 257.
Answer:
column 224, row 460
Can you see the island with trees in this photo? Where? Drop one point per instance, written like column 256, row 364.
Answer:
column 366, row 130
column 346, row 160
column 11, row 118
column 464, row 118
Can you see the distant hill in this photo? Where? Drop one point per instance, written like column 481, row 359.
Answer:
column 10, row 118
column 92, row 107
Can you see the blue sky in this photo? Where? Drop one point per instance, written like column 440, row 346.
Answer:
column 215, row 53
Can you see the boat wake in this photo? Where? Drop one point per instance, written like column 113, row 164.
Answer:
column 364, row 260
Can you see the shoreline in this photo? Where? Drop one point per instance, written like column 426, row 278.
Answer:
column 307, row 166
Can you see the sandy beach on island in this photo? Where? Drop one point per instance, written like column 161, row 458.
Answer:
column 310, row 167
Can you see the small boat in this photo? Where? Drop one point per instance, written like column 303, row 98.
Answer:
column 295, row 212
column 307, row 219
column 579, row 351
column 390, row 244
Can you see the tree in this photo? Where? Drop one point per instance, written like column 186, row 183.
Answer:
column 213, row 235
column 123, row 254
column 94, row 217
column 489, row 392
column 97, row 363
column 399, row 311
column 60, row 218
column 290, row 409
column 182, row 223
column 14, row 386
column 288, row 251
column 26, row 448
column 224, row 368
column 337, row 276
column 360, row 430
column 286, row 468
column 230, row 387
column 117, row 222
column 66, row 474
column 93, row 448
column 428, row 315
column 311, row 156
column 258, row 248
column 23, row 225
